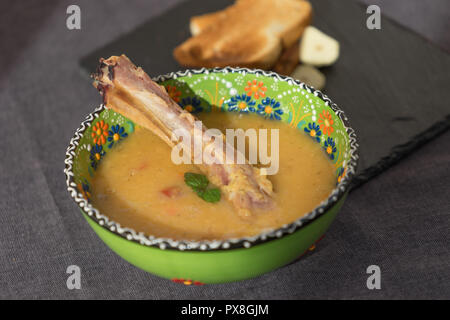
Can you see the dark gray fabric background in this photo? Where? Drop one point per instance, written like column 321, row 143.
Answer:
column 399, row 220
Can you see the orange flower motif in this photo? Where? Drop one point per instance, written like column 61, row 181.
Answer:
column 326, row 122
column 255, row 88
column 173, row 93
column 341, row 174
column 84, row 190
column 100, row 132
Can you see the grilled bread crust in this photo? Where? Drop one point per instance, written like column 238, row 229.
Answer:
column 250, row 33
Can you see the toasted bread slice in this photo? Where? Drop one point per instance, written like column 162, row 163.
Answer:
column 198, row 24
column 250, row 33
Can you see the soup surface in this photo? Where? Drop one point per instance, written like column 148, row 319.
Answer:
column 139, row 186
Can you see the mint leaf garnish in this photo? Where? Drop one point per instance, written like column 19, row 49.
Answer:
column 211, row 195
column 199, row 184
column 195, row 180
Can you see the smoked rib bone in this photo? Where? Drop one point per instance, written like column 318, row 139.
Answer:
column 129, row 91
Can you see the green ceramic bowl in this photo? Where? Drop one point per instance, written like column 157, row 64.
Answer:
column 199, row 262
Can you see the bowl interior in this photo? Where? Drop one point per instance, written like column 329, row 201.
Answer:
column 228, row 90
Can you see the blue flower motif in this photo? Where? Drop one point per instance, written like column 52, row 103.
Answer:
column 115, row 134
column 330, row 147
column 313, row 130
column 341, row 174
column 242, row 104
column 191, row 104
column 84, row 189
column 270, row 108
column 96, row 154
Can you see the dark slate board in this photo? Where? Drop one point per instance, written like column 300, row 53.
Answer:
column 391, row 83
